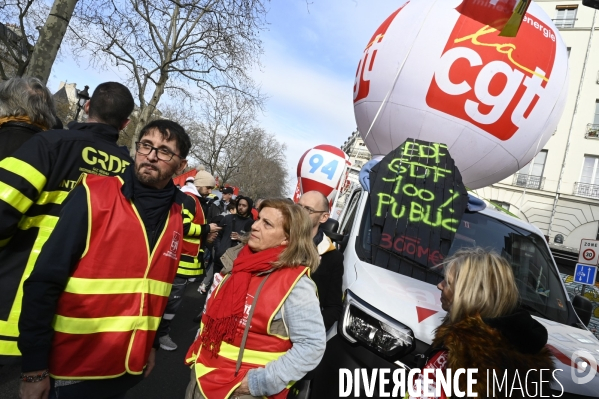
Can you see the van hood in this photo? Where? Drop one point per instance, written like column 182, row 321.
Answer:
column 417, row 305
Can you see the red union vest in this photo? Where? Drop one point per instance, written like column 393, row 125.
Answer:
column 190, row 264
column 107, row 316
column 216, row 375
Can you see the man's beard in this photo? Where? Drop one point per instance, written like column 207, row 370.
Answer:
column 149, row 180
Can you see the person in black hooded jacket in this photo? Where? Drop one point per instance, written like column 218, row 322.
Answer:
column 487, row 330
column 232, row 229
column 34, row 182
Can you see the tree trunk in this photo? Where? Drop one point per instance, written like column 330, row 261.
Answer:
column 50, row 38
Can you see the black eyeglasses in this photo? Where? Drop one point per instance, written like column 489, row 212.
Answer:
column 310, row 210
column 162, row 153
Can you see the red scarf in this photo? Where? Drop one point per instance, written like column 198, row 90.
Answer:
column 225, row 310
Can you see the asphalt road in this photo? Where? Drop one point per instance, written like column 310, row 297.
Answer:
column 170, row 376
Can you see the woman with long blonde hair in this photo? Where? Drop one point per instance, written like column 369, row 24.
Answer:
column 485, row 328
column 262, row 328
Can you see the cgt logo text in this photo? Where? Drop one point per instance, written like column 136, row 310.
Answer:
column 491, row 81
column 417, row 384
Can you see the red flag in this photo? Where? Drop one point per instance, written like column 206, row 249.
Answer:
column 298, row 192
column 180, row 180
column 503, row 15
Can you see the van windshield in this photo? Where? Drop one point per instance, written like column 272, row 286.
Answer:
column 537, row 279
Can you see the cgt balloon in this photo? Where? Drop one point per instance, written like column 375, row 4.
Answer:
column 321, row 169
column 432, row 74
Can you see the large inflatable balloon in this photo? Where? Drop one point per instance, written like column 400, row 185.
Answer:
column 321, row 169
column 432, row 74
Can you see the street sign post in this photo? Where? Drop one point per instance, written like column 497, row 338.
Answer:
column 585, row 274
column 589, row 252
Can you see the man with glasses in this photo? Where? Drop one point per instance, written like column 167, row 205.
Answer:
column 34, row 182
column 101, row 282
column 329, row 275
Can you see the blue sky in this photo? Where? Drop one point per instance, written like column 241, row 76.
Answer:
column 311, row 52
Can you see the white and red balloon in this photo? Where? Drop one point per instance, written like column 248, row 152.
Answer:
column 432, row 74
column 321, row 169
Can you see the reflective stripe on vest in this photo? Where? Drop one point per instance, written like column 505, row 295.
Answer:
column 105, row 304
column 190, row 264
column 261, row 346
column 190, row 269
column 10, row 327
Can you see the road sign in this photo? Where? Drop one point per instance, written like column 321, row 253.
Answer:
column 585, row 274
column 589, row 252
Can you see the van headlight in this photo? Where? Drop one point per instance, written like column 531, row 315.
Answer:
column 380, row 333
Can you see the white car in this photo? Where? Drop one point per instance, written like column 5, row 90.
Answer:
column 390, row 316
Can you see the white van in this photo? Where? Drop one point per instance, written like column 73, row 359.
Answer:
column 389, row 318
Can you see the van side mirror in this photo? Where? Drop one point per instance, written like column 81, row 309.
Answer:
column 584, row 308
column 330, row 229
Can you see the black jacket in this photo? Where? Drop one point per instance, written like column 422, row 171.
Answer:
column 62, row 252
column 329, row 280
column 35, row 180
column 216, row 208
column 13, row 135
column 207, row 206
column 230, row 224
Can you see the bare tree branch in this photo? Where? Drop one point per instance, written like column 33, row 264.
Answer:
column 19, row 32
column 226, row 140
column 179, row 47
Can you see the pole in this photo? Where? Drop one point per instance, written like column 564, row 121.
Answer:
column 561, row 174
column 77, row 113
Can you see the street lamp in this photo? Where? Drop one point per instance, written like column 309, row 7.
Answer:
column 82, row 96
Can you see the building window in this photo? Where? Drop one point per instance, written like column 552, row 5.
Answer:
column 589, row 173
column 588, row 185
column 531, row 176
column 593, row 128
column 566, row 16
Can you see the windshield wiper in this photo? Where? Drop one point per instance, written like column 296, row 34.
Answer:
column 533, row 309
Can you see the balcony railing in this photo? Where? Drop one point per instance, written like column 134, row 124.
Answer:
column 586, row 190
column 564, row 22
column 592, row 131
column 529, row 181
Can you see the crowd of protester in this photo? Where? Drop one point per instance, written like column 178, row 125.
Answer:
column 97, row 249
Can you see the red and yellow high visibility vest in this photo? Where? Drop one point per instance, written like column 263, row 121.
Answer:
column 107, row 316
column 216, row 374
column 191, row 263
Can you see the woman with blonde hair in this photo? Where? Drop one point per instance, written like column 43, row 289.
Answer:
column 485, row 328
column 262, row 328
